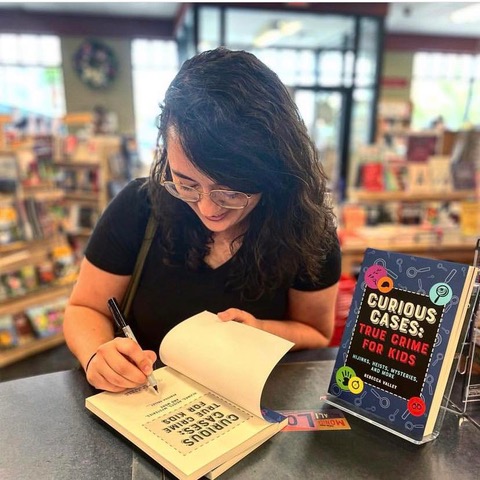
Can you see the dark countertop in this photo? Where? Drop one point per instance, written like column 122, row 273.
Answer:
column 46, row 433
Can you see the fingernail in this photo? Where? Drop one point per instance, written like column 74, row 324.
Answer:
column 147, row 369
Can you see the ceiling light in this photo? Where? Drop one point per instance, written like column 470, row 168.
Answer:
column 468, row 14
column 276, row 31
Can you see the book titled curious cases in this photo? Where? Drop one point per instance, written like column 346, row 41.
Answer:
column 400, row 341
column 207, row 414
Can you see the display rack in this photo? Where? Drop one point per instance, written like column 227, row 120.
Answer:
column 470, row 392
column 385, row 407
column 35, row 273
column 86, row 166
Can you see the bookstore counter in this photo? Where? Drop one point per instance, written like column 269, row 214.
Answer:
column 47, row 433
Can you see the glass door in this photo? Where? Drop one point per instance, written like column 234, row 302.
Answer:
column 323, row 112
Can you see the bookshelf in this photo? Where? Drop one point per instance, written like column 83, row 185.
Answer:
column 37, row 266
column 89, row 171
column 429, row 237
column 405, row 196
column 411, row 200
column 352, row 253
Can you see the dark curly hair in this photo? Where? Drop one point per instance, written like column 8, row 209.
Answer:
column 238, row 125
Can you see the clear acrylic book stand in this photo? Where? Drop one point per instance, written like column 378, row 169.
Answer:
column 470, row 392
column 466, row 339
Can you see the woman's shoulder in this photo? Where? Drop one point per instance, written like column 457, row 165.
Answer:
column 133, row 199
column 118, row 234
column 329, row 269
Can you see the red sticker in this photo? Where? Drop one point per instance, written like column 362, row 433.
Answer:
column 416, row 406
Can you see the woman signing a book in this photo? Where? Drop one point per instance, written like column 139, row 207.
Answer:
column 244, row 227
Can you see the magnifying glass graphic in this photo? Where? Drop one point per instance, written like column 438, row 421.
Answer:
column 440, row 293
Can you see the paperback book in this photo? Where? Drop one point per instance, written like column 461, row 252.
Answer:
column 207, row 414
column 400, row 341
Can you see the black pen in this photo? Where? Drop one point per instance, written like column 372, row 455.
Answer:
column 122, row 324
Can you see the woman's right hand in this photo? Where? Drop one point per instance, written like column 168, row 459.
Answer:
column 120, row 364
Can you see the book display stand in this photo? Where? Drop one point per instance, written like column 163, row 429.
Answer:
column 381, row 423
column 470, row 392
column 414, row 412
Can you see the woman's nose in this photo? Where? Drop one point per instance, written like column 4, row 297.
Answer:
column 207, row 207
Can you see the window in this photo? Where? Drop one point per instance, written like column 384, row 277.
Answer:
column 31, row 80
column 155, row 63
column 445, row 85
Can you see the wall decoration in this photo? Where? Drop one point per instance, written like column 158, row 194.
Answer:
column 95, row 64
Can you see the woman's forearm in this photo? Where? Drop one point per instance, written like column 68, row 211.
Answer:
column 85, row 330
column 304, row 336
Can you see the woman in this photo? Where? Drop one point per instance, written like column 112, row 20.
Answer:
column 244, row 226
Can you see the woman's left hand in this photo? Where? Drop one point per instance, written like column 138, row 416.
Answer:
column 240, row 316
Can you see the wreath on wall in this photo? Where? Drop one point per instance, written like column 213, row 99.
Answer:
column 95, row 64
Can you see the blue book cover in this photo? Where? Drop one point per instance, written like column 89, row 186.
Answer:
column 400, row 339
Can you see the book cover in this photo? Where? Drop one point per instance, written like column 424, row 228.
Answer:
column 207, row 415
column 400, row 340
column 8, row 332
column 421, row 146
column 9, row 224
column 47, row 319
column 9, row 175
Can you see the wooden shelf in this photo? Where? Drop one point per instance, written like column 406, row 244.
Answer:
column 77, row 164
column 85, row 197
column 352, row 255
column 32, row 299
column 31, row 348
column 31, row 245
column 80, row 232
column 43, row 194
column 405, row 196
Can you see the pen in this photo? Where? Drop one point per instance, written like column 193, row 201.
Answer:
column 122, row 324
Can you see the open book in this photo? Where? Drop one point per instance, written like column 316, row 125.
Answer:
column 207, row 415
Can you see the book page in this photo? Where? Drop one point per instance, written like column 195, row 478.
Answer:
column 229, row 358
column 186, row 428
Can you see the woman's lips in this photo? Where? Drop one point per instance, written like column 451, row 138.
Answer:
column 216, row 218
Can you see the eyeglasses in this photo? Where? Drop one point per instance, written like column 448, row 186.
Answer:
column 223, row 198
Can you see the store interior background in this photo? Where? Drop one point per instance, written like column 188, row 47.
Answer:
column 372, row 81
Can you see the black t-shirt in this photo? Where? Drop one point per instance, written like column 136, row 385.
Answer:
column 166, row 295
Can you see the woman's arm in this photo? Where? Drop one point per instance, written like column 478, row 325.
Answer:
column 310, row 318
column 118, row 363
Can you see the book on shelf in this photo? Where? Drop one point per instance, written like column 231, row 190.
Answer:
column 421, row 146
column 207, row 415
column 47, row 319
column 23, row 328
column 469, row 218
column 9, row 174
column 400, row 342
column 372, row 176
column 465, row 154
column 8, row 332
column 418, row 177
column 439, row 172
column 10, row 230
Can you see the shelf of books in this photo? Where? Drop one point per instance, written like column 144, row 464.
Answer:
column 30, row 348
column 90, row 171
column 352, row 253
column 423, row 201
column 408, row 196
column 37, row 264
